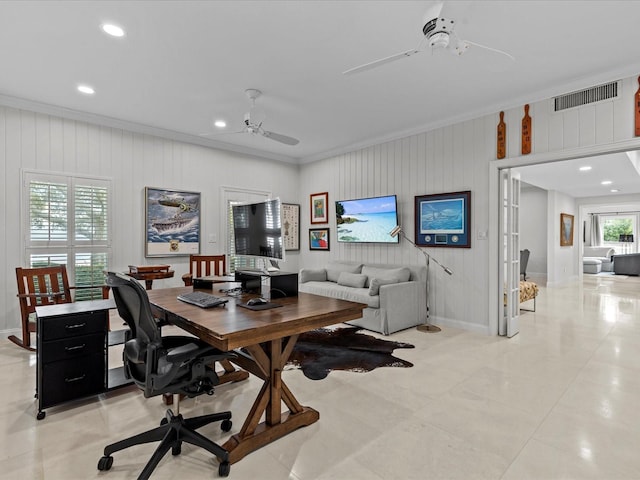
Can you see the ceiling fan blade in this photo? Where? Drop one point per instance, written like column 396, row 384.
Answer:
column 280, row 138
column 501, row 52
column 382, row 61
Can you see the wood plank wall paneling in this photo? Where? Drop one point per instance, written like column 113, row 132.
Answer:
column 449, row 158
column 455, row 158
column 35, row 141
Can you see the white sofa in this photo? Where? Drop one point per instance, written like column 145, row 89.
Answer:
column 591, row 255
column 395, row 294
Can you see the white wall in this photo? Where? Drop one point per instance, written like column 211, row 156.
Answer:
column 451, row 158
column 50, row 144
column 562, row 261
column 463, row 157
column 533, row 229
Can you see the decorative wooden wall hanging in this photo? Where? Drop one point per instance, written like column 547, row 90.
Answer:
column 637, row 110
column 502, row 137
column 526, row 131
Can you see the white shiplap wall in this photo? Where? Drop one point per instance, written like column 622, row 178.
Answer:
column 454, row 158
column 451, row 158
column 35, row 141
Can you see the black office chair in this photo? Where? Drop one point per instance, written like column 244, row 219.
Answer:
column 524, row 260
column 158, row 365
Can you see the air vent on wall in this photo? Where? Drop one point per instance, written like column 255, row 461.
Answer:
column 584, row 97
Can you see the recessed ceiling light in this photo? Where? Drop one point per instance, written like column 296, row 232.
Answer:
column 86, row 89
column 614, row 190
column 606, row 182
column 113, row 30
column 586, row 168
column 220, row 123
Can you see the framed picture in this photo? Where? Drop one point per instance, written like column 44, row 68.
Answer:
column 443, row 220
column 319, row 239
column 566, row 230
column 291, row 226
column 319, row 203
column 172, row 222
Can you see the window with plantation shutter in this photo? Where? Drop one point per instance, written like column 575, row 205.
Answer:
column 69, row 224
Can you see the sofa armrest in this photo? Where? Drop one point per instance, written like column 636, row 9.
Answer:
column 403, row 301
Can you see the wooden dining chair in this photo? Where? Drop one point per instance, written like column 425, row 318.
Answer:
column 204, row 266
column 42, row 286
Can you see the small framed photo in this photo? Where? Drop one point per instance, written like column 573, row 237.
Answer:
column 319, row 203
column 319, row 239
column 566, row 230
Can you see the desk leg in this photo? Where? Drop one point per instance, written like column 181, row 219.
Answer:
column 267, row 362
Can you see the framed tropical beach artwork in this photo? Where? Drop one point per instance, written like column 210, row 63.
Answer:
column 172, row 222
column 443, row 220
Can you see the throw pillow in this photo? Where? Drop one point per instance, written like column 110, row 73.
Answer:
column 310, row 275
column 402, row 274
column 376, row 283
column 354, row 280
column 334, row 269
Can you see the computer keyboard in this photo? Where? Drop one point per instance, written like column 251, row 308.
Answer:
column 202, row 299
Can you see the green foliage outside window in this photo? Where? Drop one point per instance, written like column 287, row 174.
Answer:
column 612, row 229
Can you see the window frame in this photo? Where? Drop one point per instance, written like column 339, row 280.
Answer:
column 70, row 247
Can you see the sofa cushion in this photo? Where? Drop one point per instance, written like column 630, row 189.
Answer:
column 399, row 274
column 330, row 289
column 316, row 275
column 334, row 269
column 355, row 280
column 376, row 283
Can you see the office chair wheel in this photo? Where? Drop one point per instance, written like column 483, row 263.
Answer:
column 164, row 421
column 176, row 449
column 226, row 425
column 105, row 463
column 224, row 469
column 41, row 415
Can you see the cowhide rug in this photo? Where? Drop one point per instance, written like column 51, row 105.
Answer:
column 319, row 351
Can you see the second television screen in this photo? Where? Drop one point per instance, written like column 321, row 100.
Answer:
column 367, row 220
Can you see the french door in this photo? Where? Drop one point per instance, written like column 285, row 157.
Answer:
column 509, row 277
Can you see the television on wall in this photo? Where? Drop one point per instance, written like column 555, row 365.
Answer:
column 367, row 220
column 257, row 229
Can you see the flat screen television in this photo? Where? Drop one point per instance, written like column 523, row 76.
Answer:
column 257, row 229
column 367, row 220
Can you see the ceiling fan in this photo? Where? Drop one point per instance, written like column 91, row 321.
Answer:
column 439, row 34
column 254, row 127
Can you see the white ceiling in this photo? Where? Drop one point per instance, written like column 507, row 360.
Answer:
column 184, row 63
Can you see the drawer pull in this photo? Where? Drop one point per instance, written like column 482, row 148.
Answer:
column 77, row 347
column 75, row 379
column 77, row 325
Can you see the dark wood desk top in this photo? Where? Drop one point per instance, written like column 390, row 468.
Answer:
column 232, row 326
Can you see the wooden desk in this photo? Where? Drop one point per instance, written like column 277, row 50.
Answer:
column 149, row 273
column 267, row 338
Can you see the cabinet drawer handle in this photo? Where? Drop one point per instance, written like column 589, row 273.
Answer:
column 77, row 325
column 77, row 347
column 75, row 379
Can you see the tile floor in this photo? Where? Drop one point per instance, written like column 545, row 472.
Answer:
column 559, row 400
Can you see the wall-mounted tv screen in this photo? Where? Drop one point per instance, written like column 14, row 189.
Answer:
column 367, row 220
column 257, row 229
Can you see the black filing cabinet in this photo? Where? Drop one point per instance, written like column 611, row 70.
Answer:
column 72, row 352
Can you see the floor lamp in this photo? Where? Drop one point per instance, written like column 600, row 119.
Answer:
column 425, row 327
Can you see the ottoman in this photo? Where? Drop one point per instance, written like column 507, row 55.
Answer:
column 591, row 265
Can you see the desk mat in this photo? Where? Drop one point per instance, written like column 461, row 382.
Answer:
column 265, row 306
